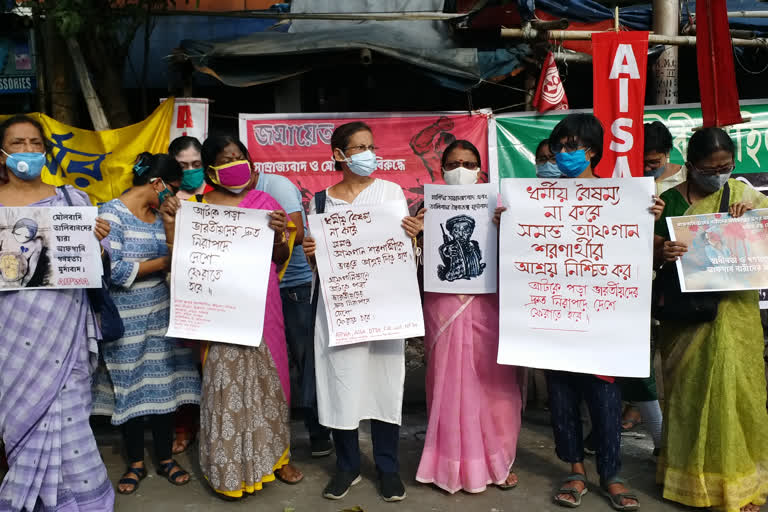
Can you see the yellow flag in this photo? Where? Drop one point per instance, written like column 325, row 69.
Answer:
column 101, row 163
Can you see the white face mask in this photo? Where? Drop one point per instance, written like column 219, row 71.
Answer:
column 460, row 176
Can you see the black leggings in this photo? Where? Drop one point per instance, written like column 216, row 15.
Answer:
column 162, row 436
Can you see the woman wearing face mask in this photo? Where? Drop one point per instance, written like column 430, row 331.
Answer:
column 577, row 143
column 715, row 445
column 546, row 164
column 151, row 375
column 186, row 151
column 238, row 461
column 656, row 164
column 364, row 380
column 48, row 344
column 474, row 403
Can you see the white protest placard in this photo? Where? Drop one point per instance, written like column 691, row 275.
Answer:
column 220, row 273
column 367, row 274
column 575, row 275
column 49, row 247
column 460, row 238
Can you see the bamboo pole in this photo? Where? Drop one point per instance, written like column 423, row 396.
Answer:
column 98, row 117
column 748, row 14
column 341, row 16
column 586, row 35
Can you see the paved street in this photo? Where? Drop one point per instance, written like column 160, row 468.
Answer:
column 536, row 466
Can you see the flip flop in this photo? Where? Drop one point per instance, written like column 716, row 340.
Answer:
column 141, row 474
column 504, row 486
column 575, row 493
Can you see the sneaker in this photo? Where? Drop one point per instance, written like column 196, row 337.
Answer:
column 392, row 488
column 339, row 485
column 321, row 447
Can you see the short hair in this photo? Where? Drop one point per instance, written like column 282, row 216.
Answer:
column 460, row 144
column 179, row 144
column 585, row 127
column 543, row 143
column 161, row 165
column 342, row 134
column 706, row 141
column 215, row 144
column 21, row 119
column 657, row 138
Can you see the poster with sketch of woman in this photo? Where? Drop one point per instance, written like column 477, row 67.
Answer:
column 24, row 260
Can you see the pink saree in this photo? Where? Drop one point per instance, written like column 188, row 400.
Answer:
column 274, row 326
column 474, row 404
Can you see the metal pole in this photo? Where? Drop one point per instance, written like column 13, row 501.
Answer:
column 586, row 35
column 666, row 20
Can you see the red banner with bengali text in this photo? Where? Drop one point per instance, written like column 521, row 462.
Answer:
column 619, row 61
column 410, row 146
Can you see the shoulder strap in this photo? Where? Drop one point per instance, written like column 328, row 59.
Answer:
column 64, row 191
column 320, row 199
column 725, row 199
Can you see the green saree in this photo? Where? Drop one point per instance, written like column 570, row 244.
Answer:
column 715, row 450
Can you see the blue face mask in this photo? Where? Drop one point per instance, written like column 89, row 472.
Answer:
column 362, row 164
column 548, row 170
column 192, row 179
column 655, row 173
column 25, row 166
column 572, row 164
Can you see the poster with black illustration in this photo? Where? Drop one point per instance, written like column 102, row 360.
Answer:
column 460, row 238
column 51, row 247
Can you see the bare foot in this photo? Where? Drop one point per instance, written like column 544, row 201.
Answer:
column 614, row 489
column 577, row 485
column 182, row 441
column 129, row 488
column 289, row 474
column 750, row 508
column 511, row 479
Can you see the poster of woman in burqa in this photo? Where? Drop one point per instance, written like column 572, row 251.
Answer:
column 460, row 254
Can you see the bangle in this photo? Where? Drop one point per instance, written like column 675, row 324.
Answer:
column 170, row 246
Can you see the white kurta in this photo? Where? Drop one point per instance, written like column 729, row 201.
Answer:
column 364, row 380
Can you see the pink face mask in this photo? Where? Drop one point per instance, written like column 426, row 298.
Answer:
column 232, row 175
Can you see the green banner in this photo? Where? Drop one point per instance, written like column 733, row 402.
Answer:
column 518, row 135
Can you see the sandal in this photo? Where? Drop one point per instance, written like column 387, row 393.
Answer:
column 279, row 475
column 165, row 470
column 505, row 486
column 141, row 474
column 618, row 497
column 575, row 493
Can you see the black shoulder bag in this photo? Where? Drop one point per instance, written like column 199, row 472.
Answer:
column 112, row 327
column 320, row 198
column 692, row 307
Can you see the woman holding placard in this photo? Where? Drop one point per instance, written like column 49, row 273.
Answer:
column 48, row 345
column 244, row 413
column 148, row 376
column 715, row 445
column 474, row 403
column 364, row 380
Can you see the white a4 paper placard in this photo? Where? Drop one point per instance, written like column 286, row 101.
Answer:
column 367, row 274
column 575, row 275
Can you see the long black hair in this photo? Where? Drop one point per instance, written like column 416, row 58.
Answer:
column 706, row 141
column 161, row 165
column 460, row 144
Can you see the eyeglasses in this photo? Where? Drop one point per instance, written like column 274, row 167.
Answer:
column 361, row 148
column 570, row 146
column 449, row 166
column 713, row 172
